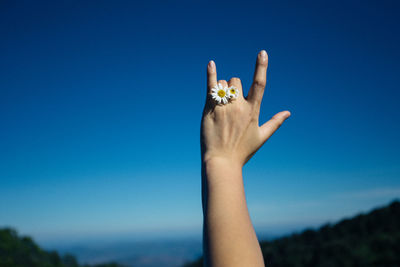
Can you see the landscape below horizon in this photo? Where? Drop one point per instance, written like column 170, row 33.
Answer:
column 372, row 238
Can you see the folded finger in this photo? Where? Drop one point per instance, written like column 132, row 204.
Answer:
column 236, row 83
column 223, row 83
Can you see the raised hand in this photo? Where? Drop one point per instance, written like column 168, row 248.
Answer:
column 232, row 131
column 230, row 135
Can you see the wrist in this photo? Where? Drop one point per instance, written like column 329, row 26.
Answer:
column 222, row 162
column 213, row 157
column 221, row 166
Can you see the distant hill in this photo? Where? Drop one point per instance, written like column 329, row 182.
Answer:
column 371, row 239
column 16, row 251
column 161, row 252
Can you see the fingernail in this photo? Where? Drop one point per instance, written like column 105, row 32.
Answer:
column 211, row 64
column 263, row 54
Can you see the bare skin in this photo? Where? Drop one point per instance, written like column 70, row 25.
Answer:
column 230, row 136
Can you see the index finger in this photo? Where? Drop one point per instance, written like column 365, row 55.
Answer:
column 211, row 75
column 260, row 78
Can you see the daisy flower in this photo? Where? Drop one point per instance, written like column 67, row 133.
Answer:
column 232, row 92
column 220, row 94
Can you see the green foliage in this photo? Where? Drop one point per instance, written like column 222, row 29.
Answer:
column 18, row 251
column 365, row 240
column 104, row 265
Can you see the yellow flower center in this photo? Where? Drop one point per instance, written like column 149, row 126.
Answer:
column 221, row 93
column 233, row 91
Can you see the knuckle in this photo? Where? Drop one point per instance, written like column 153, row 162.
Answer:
column 238, row 109
column 259, row 83
column 219, row 112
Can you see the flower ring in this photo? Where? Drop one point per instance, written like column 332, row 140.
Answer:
column 223, row 94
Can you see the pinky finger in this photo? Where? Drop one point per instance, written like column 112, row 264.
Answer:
column 211, row 75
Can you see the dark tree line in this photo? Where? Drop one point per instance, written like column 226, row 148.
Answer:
column 18, row 251
column 371, row 239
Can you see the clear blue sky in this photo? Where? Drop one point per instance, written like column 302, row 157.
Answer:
column 101, row 101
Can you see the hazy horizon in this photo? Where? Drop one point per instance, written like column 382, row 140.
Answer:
column 264, row 232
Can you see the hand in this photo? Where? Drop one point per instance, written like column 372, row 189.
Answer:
column 231, row 132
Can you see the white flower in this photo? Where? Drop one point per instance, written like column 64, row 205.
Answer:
column 232, row 92
column 220, row 94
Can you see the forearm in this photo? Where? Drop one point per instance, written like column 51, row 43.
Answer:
column 229, row 237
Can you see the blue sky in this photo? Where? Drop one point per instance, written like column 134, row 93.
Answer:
column 101, row 103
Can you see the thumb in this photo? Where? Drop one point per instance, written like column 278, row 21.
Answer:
column 268, row 128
